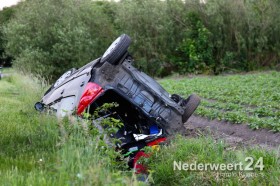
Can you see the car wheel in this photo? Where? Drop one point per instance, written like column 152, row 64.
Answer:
column 190, row 106
column 116, row 50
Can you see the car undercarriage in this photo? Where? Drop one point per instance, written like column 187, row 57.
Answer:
column 149, row 113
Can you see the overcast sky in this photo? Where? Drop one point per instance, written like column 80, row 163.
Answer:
column 5, row 3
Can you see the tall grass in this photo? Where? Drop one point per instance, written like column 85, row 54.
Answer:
column 206, row 150
column 34, row 151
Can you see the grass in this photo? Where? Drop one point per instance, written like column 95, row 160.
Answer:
column 35, row 150
column 252, row 99
column 206, row 150
column 7, row 70
column 38, row 149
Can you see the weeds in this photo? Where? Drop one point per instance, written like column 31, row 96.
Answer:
column 36, row 149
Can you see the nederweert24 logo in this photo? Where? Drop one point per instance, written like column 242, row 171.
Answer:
column 249, row 165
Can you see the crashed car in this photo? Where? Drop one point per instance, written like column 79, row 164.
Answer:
column 148, row 112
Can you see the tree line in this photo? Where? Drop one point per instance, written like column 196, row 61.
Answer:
column 172, row 36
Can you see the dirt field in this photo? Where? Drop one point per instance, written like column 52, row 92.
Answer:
column 234, row 135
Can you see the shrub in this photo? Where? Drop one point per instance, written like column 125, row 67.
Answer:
column 196, row 50
column 188, row 36
column 49, row 37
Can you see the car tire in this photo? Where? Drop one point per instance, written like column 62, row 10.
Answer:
column 116, row 50
column 190, row 106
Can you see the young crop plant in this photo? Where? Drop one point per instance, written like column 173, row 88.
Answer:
column 251, row 99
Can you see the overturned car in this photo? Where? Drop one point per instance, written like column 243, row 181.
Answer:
column 148, row 112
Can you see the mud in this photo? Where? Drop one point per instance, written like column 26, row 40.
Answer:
column 235, row 135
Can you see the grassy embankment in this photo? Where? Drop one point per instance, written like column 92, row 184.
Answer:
column 36, row 149
column 253, row 99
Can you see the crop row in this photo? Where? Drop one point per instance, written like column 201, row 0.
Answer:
column 252, row 98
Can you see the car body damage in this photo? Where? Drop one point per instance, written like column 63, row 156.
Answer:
column 148, row 112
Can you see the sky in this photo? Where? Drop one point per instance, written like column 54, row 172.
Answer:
column 6, row 3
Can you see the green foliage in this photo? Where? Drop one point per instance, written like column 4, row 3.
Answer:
column 169, row 36
column 205, row 150
column 196, row 50
column 252, row 99
column 51, row 36
column 37, row 149
column 192, row 37
column 5, row 15
column 149, row 25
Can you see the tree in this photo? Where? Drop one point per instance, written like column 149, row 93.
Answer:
column 5, row 15
column 48, row 37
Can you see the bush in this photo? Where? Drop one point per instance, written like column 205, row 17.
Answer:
column 49, row 37
column 148, row 23
column 196, row 50
column 188, row 36
column 5, row 15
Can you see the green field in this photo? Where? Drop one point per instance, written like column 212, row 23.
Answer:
column 252, row 99
column 38, row 149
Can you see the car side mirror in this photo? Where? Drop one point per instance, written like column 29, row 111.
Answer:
column 39, row 106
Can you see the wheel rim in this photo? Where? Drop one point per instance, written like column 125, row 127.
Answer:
column 111, row 47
